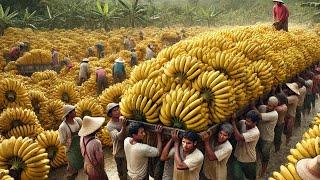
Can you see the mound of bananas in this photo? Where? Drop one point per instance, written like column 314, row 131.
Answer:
column 89, row 107
column 25, row 156
column 35, row 56
column 14, row 118
column 13, row 94
column 51, row 114
column 56, row 152
column 67, row 93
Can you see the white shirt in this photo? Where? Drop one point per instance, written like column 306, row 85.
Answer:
column 267, row 124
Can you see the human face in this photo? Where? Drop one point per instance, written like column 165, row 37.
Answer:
column 270, row 107
column 140, row 135
column 115, row 112
column 187, row 145
column 72, row 114
column 222, row 136
column 249, row 123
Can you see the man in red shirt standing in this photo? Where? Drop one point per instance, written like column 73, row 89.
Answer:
column 280, row 15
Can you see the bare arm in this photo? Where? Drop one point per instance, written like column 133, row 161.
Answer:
column 237, row 134
column 159, row 139
column 165, row 152
column 179, row 163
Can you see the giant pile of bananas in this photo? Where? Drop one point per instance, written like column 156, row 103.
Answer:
column 56, row 151
column 35, row 56
column 25, row 156
column 224, row 70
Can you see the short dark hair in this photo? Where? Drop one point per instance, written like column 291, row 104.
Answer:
column 134, row 128
column 192, row 136
column 254, row 115
column 282, row 98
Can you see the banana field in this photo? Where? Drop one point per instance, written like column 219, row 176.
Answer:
column 193, row 84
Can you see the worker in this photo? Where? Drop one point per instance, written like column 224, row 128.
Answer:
column 68, row 135
column 55, row 59
column 84, row 71
column 269, row 118
column 117, row 130
column 101, row 80
column 149, row 52
column 309, row 168
column 303, row 92
column 282, row 109
column 247, row 138
column 118, row 71
column 134, row 58
column 91, row 148
column 188, row 159
column 280, row 15
column 292, row 92
column 137, row 153
column 217, row 152
column 100, row 50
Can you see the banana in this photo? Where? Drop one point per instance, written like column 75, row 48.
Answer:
column 293, row 171
column 278, row 176
column 286, row 173
column 303, row 151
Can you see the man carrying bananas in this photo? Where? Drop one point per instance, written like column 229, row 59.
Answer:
column 303, row 92
column 91, row 148
column 137, row 153
column 117, row 130
column 269, row 118
column 68, row 134
column 282, row 109
column 292, row 92
column 188, row 159
column 247, row 138
column 217, row 152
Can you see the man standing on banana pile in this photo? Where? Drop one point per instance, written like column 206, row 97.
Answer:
column 137, row 153
column 84, row 71
column 117, row 130
column 269, row 118
column 292, row 92
column 280, row 15
column 68, row 134
column 188, row 159
column 91, row 148
column 217, row 152
column 247, row 138
column 101, row 80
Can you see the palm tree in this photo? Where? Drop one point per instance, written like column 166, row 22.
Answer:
column 105, row 14
column 134, row 11
column 6, row 19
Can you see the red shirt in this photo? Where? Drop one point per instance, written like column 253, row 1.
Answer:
column 280, row 12
column 14, row 52
column 100, row 73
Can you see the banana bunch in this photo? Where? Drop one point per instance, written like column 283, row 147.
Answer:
column 67, row 93
column 183, row 69
column 25, row 156
column 217, row 92
column 25, row 131
column 35, row 56
column 45, row 75
column 147, row 70
column 286, row 172
column 104, row 136
column 89, row 107
column 185, row 109
column 4, row 175
column 316, row 119
column 251, row 49
column 49, row 140
column 112, row 94
column 13, row 94
column 50, row 116
column 263, row 69
column 308, row 148
column 313, row 132
column 142, row 102
column 253, row 85
column 37, row 98
column 88, row 88
column 13, row 117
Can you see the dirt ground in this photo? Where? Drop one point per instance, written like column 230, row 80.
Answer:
column 276, row 158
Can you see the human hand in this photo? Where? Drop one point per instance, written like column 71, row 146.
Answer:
column 175, row 135
column 205, row 136
column 158, row 129
column 123, row 121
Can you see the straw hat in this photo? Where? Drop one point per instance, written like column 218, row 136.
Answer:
column 309, row 168
column 85, row 60
column 110, row 106
column 281, row 1
column 90, row 125
column 293, row 87
column 67, row 109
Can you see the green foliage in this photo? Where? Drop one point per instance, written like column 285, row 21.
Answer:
column 105, row 14
column 133, row 11
column 6, row 18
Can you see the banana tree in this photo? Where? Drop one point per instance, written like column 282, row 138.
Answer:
column 52, row 19
column 105, row 14
column 134, row 11
column 28, row 18
column 315, row 5
column 208, row 15
column 6, row 19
